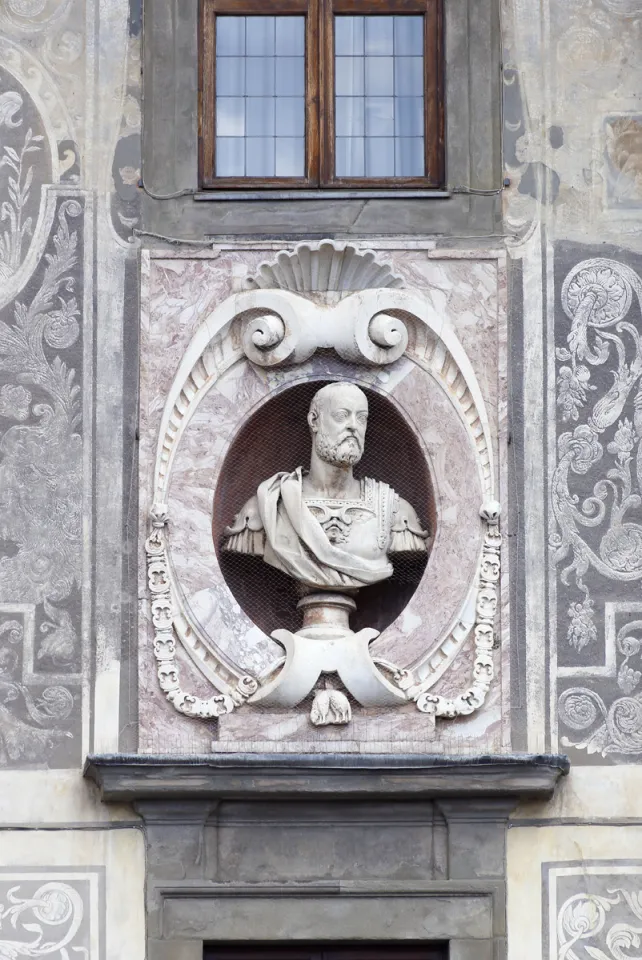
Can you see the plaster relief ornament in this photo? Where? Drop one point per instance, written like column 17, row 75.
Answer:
column 333, row 534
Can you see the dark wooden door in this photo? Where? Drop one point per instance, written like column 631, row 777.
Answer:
column 326, row 951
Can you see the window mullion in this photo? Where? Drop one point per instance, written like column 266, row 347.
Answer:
column 314, row 75
column 326, row 58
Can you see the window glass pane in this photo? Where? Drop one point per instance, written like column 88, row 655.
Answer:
column 290, row 117
column 259, row 33
column 409, row 36
column 409, row 76
column 350, row 160
column 290, row 41
column 380, row 157
column 230, row 37
column 230, row 77
column 290, row 156
column 349, row 118
column 380, row 117
column 348, row 76
column 379, row 96
column 230, row 117
column 259, row 116
column 259, row 76
column 379, row 36
column 409, row 117
column 409, row 157
column 290, row 81
column 260, row 96
column 379, row 77
column 349, row 36
column 259, row 156
column 230, row 156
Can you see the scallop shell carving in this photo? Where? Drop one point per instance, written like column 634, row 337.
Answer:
column 322, row 267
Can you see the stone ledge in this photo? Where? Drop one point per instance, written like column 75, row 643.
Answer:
column 132, row 777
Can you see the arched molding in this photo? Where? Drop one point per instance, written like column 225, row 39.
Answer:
column 299, row 327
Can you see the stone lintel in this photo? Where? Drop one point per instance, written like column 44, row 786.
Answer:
column 134, row 777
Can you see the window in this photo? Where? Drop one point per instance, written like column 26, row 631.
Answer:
column 321, row 93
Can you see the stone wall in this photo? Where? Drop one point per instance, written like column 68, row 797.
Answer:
column 70, row 118
column 69, row 146
column 573, row 151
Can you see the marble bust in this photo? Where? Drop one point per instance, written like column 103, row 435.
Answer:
column 324, row 527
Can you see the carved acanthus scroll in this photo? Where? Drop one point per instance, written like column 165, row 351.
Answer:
column 163, row 615
column 484, row 630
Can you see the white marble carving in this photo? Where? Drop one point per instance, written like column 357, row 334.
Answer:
column 432, row 379
column 485, row 640
column 214, row 348
column 325, row 266
column 164, row 619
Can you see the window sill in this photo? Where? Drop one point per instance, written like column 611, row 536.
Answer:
column 263, row 195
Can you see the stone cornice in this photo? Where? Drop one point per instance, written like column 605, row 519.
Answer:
column 135, row 777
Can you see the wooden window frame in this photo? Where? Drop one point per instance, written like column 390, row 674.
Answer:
column 319, row 92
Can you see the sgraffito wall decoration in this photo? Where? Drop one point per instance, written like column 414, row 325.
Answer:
column 69, row 132
column 595, row 523
column 592, row 908
column 41, row 380
column 573, row 209
column 46, row 914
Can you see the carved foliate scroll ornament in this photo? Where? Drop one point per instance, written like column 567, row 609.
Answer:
column 163, row 615
column 484, row 630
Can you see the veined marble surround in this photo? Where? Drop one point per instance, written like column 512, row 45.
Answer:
column 464, row 294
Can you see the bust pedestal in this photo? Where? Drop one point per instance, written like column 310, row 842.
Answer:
column 326, row 615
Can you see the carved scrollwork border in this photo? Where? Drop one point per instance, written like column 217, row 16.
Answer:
column 356, row 327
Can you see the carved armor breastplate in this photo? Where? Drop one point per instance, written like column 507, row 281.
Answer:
column 364, row 524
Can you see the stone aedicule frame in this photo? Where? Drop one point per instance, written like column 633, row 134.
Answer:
column 205, row 341
column 253, row 848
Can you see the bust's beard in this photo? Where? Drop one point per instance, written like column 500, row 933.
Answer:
column 340, row 454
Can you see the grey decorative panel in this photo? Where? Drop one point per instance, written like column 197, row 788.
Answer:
column 623, row 136
column 55, row 913
column 24, row 167
column 595, row 516
column 41, row 496
column 591, row 909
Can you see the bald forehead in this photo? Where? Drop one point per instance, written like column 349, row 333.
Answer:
column 336, row 394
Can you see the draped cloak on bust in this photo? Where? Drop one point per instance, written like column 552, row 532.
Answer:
column 296, row 543
column 301, row 535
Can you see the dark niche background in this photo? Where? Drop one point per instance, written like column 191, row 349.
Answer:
column 277, row 438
